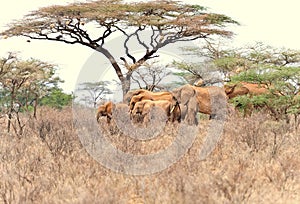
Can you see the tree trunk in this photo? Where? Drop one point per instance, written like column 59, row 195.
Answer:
column 35, row 107
column 126, row 82
column 11, row 108
column 9, row 122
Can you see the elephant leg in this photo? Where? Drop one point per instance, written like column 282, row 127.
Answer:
column 98, row 117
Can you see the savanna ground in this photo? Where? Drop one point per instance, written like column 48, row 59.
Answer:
column 256, row 161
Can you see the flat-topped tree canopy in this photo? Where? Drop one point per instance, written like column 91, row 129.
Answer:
column 168, row 21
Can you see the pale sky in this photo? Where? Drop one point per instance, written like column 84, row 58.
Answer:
column 274, row 22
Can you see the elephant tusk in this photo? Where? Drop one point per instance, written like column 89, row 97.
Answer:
column 172, row 109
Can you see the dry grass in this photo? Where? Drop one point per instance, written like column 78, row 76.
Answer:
column 256, row 161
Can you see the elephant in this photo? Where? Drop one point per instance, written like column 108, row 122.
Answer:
column 194, row 99
column 130, row 94
column 148, row 95
column 141, row 110
column 244, row 88
column 105, row 110
column 185, row 96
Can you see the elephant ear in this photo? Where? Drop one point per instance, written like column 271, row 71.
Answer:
column 229, row 88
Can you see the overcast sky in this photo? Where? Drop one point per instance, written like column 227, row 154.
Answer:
column 274, row 22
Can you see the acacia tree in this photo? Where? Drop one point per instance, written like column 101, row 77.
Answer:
column 278, row 69
column 216, row 57
column 217, row 63
column 22, row 84
column 167, row 21
column 282, row 98
column 96, row 91
column 56, row 98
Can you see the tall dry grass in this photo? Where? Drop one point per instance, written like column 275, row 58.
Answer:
column 256, row 161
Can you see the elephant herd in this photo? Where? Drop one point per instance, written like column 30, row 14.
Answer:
column 180, row 104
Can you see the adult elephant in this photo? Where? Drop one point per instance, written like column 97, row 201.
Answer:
column 141, row 94
column 249, row 89
column 244, row 88
column 209, row 100
column 141, row 110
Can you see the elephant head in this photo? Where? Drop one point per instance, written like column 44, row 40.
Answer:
column 234, row 90
column 105, row 110
column 137, row 98
column 183, row 95
column 128, row 96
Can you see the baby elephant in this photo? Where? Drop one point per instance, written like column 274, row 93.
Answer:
column 108, row 108
column 105, row 110
column 141, row 110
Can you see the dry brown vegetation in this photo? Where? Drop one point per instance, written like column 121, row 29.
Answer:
column 256, row 161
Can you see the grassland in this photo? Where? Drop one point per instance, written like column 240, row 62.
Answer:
column 256, row 161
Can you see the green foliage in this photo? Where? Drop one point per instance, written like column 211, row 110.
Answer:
column 229, row 63
column 56, row 98
column 24, row 82
column 283, row 85
column 252, row 76
column 213, row 58
column 3, row 100
column 241, row 102
column 276, row 68
column 296, row 108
